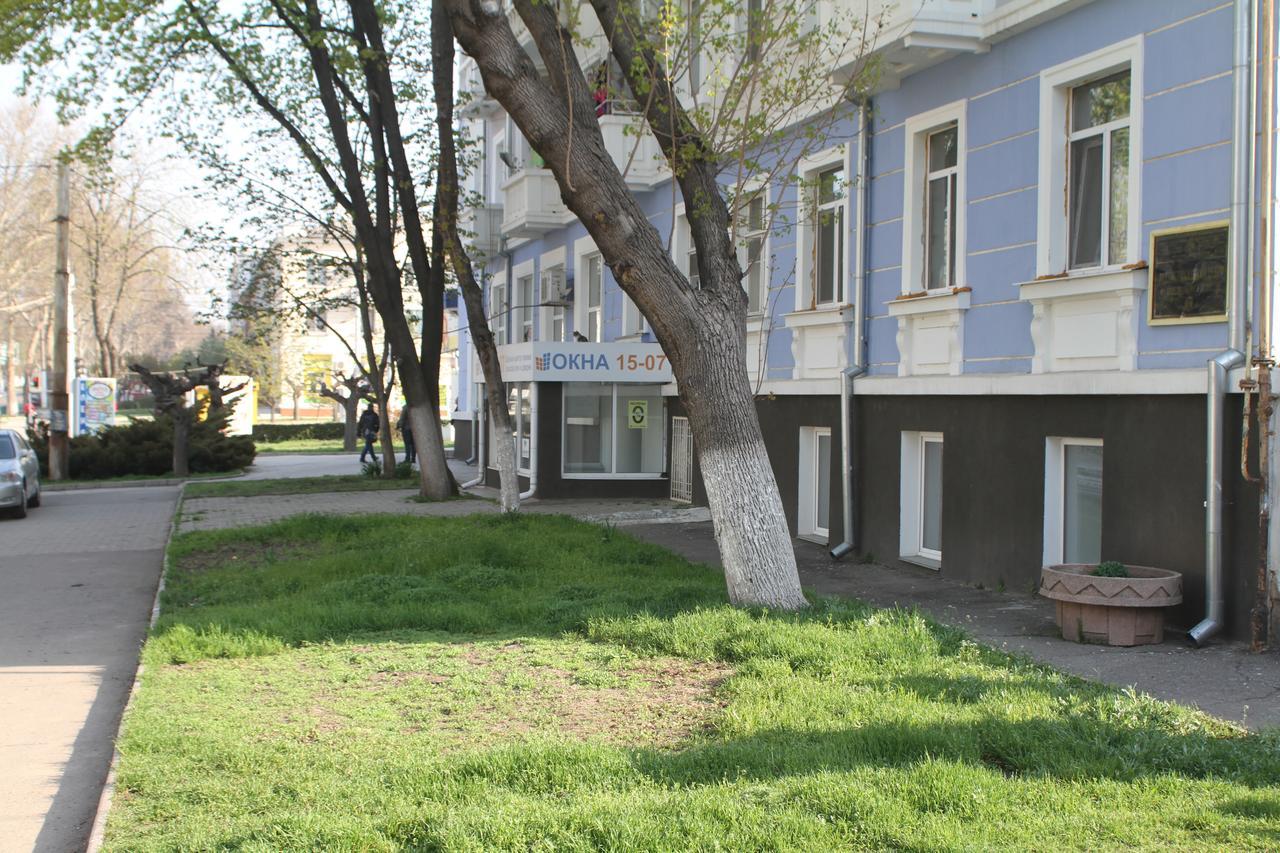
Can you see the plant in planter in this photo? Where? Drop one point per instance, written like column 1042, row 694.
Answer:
column 1111, row 603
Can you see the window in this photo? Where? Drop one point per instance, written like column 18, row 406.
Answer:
column 755, row 27
column 920, row 499
column 827, row 201
column 520, row 404
column 1073, row 501
column 814, row 505
column 7, row 450
column 754, row 231
column 1098, row 172
column 633, row 322
column 524, row 306
column 554, row 301
column 933, row 209
column 498, row 311
column 613, row 430
column 1090, row 142
column 594, row 294
column 940, row 208
column 695, row 46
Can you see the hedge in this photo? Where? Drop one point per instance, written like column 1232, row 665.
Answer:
column 289, row 432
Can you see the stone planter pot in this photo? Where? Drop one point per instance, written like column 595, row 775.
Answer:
column 1112, row 611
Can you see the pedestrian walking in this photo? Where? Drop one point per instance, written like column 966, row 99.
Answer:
column 405, row 425
column 367, row 428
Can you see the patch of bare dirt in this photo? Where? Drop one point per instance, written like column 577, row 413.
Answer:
column 241, row 554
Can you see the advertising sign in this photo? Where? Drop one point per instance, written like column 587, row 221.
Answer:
column 557, row 361
column 637, row 414
column 95, row 404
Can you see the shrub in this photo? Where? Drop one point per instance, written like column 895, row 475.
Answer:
column 146, row 448
column 1111, row 569
column 288, row 432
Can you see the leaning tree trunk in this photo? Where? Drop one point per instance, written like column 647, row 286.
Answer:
column 446, row 221
column 350, row 414
column 702, row 330
column 181, row 417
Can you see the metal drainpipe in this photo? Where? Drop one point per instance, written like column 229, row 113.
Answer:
column 475, row 439
column 1219, row 365
column 857, row 364
column 533, row 444
column 480, row 448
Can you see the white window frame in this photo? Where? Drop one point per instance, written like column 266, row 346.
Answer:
column 584, row 249
column 683, row 253
column 808, row 525
column 1055, row 478
column 916, row 183
column 518, row 424
column 807, row 233
column 551, row 286
column 764, row 266
column 1056, row 83
column 613, row 439
column 522, row 308
column 634, row 323
column 499, row 303
column 911, row 547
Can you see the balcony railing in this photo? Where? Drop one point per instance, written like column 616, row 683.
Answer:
column 531, row 204
column 634, row 150
column 481, row 226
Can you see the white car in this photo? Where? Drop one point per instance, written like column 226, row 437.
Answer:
column 19, row 474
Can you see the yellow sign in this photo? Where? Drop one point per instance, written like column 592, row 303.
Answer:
column 637, row 414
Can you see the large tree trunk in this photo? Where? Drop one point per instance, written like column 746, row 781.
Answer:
column 446, row 221
column 350, row 413
column 181, row 442
column 703, row 329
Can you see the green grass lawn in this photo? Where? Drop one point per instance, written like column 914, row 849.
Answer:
column 297, row 486
column 536, row 683
column 303, row 445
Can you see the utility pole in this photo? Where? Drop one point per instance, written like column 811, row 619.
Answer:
column 59, row 446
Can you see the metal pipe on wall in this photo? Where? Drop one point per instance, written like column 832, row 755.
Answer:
column 480, row 448
column 857, row 359
column 1242, row 103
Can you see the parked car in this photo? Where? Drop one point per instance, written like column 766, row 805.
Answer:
column 19, row 474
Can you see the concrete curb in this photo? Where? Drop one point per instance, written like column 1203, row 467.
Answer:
column 97, row 832
column 71, row 486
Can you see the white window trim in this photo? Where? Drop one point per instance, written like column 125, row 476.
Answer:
column 498, row 279
column 916, row 166
column 1055, row 98
column 584, row 248
column 1055, row 459
column 765, row 191
column 808, row 525
column 549, row 261
column 806, row 233
column 911, row 498
column 519, row 310
column 681, row 239
column 613, row 439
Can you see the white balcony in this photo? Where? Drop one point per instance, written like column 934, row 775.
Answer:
column 476, row 102
column 531, row 204
column 634, row 150
column 481, row 228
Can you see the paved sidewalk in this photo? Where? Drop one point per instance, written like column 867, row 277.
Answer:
column 77, row 578
column 1223, row 679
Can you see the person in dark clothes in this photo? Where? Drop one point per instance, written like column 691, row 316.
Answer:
column 367, row 428
column 405, row 425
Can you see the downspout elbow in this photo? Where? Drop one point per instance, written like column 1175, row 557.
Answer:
column 1215, row 605
column 847, row 376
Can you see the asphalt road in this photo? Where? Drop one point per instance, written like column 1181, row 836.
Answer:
column 77, row 579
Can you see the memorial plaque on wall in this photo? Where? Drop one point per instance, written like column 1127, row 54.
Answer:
column 1189, row 274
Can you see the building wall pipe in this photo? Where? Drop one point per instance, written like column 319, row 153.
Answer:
column 1242, row 173
column 1215, row 604
column 857, row 356
column 480, row 448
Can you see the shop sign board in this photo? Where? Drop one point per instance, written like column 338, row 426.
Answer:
column 95, row 404
column 557, row 361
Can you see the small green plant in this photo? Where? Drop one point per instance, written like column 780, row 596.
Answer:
column 1111, row 569
column 404, row 470
column 371, row 469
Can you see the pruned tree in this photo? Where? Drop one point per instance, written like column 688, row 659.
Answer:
column 170, row 392
column 348, row 391
column 718, row 107
column 445, row 224
column 314, row 78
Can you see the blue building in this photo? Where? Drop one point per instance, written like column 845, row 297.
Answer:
column 1038, row 283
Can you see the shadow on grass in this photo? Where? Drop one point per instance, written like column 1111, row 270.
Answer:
column 939, row 695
